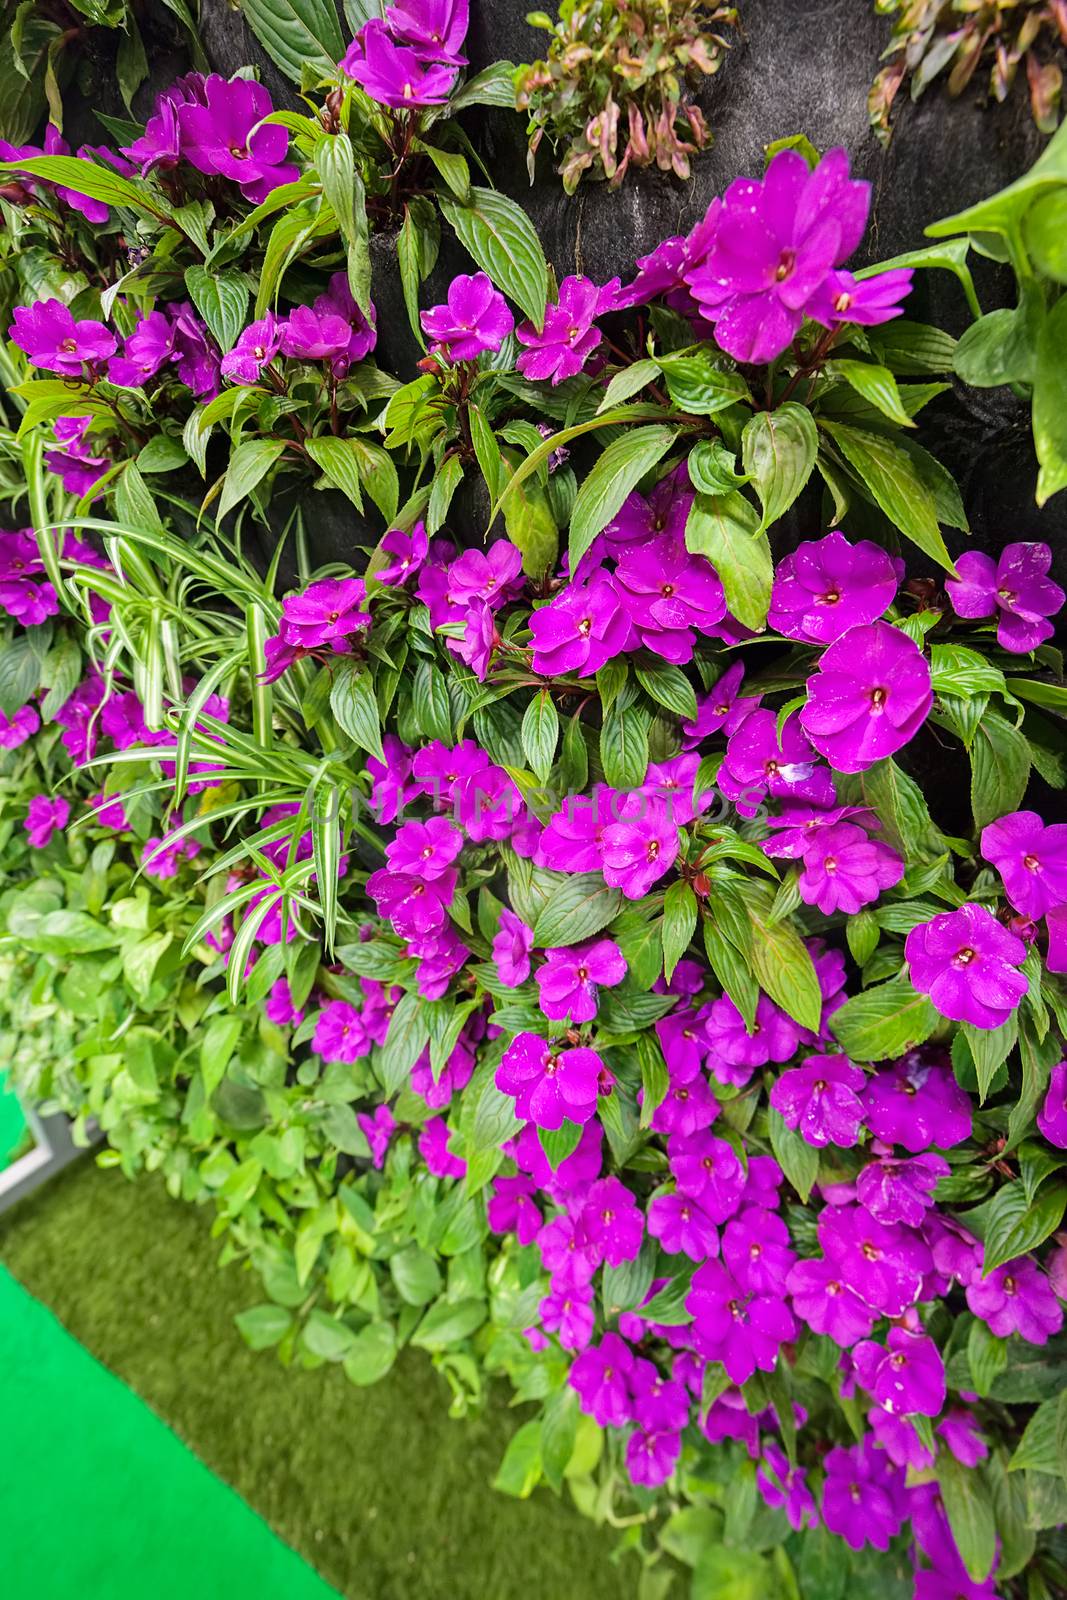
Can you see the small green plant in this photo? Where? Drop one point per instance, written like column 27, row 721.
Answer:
column 933, row 37
column 616, row 88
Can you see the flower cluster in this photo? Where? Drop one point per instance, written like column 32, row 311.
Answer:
column 410, row 57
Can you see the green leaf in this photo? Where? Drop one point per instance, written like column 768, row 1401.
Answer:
column 713, row 468
column 624, row 747
column 990, row 1048
column 416, row 1275
column 446, row 481
column 698, row 386
column 531, row 525
column 969, row 1507
column 797, row 1159
column 1045, row 234
column 618, row 471
column 297, row 34
column 670, row 687
column 1000, row 769
column 882, row 1023
column 371, row 1354
column 503, row 241
column 263, row 1326
column 221, row 299
column 876, row 385
column 248, row 466
column 520, row 1470
column 1013, row 1228
column 377, row 474
column 326, row 1336
column 339, row 465
column 92, row 179
column 1050, row 403
column 778, row 449
column 1043, row 1446
column 655, row 1079
column 726, row 528
column 559, row 1434
column 540, row 733
column 580, row 907
column 355, row 705
column 408, row 1036
column 987, row 1356
column 493, row 86
column 630, row 381
column 430, row 703
column 343, row 188
column 679, row 924
column 448, row 1323
column 888, row 476
column 782, row 964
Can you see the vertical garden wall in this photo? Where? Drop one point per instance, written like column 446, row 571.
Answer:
column 533, row 728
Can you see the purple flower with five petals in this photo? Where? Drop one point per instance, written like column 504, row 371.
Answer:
column 476, row 318
column 967, row 962
column 1016, row 589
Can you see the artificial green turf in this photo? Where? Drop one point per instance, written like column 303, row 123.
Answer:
column 100, row 1499
column 378, row 1488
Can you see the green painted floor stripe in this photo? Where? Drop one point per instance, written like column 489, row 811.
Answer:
column 12, row 1122
column 100, row 1500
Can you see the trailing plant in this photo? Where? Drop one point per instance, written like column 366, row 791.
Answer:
column 1025, row 346
column 616, row 89
column 531, row 935
column 931, row 38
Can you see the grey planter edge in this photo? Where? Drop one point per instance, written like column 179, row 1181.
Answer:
column 53, row 1149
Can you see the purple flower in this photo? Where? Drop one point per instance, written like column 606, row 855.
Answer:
column 324, row 613
column 651, row 1457
column 568, row 337
column 149, row 347
column 338, row 301
column 821, row 1100
column 669, row 593
column 823, row 1299
column 162, row 856
column 312, row 335
column 827, row 586
column 867, row 301
column 660, row 1404
column 861, row 1496
column 511, row 949
column 550, row 1085
column 1016, row 1298
column 217, row 136
column 666, row 511
column 195, row 353
column 786, row 1486
column 440, row 771
column 845, row 869
column 600, row 1378
column 494, row 577
column 682, row 1226
column 280, row 1009
column 689, row 1105
column 392, row 75
column 433, row 1148
column 960, row 1432
column 75, row 465
column 743, row 1332
column 755, row 1247
column 966, row 962
column 776, row 241
column 717, row 709
column 870, row 695
column 391, row 789
column 44, row 817
column 906, row 1375
column 1052, row 1118
column 512, row 1208
column 379, row 1129
column 14, row 731
column 425, row 849
column 883, row 1263
column 1015, row 589
column 901, row 1191
column 611, row 1224
column 406, row 552
column 476, row 318
column 917, row 1102
column 51, row 338
column 572, row 839
column 569, row 979
column 581, row 629
column 480, row 639
column 568, row 1313
column 339, row 1033
column 255, row 349
column 898, row 1438
column 1031, row 858
column 736, row 1051
column 435, row 29
column 639, row 848
column 487, row 804
column 413, row 906
column 160, row 144
column 440, row 954
column 708, row 1170
column 762, row 761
